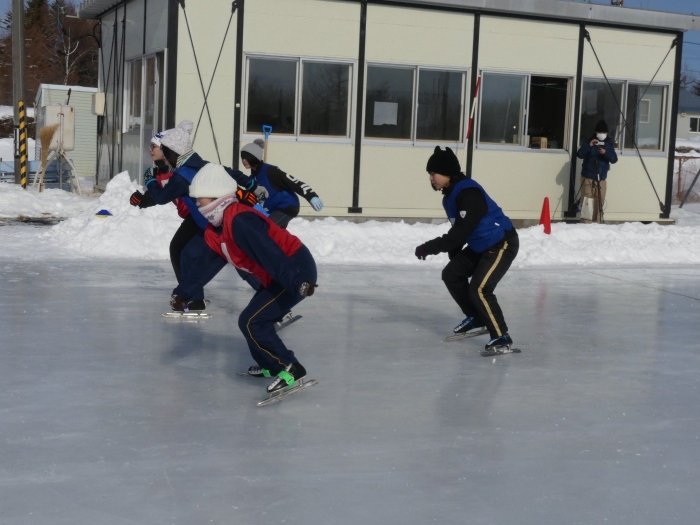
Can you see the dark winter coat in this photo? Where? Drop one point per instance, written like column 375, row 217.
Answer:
column 592, row 159
column 282, row 187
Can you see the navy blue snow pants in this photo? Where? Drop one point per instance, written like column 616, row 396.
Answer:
column 268, row 306
column 199, row 264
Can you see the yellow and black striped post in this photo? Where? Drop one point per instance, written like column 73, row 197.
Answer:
column 23, row 143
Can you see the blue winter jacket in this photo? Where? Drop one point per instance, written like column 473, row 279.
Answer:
column 493, row 226
column 179, row 187
column 591, row 157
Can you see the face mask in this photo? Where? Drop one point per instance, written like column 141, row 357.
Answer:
column 601, row 136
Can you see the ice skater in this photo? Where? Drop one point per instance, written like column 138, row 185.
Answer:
column 492, row 243
column 283, row 267
column 283, row 190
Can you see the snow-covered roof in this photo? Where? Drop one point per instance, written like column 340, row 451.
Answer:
column 94, row 8
column 687, row 101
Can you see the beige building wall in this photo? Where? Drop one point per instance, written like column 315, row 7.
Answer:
column 208, row 21
column 310, row 29
column 393, row 180
column 520, row 178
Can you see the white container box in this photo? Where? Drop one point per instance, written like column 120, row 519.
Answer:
column 65, row 116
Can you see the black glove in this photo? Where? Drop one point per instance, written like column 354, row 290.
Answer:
column 421, row 252
column 141, row 200
column 307, row 289
column 148, row 177
column 246, row 197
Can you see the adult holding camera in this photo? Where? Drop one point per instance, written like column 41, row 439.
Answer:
column 598, row 152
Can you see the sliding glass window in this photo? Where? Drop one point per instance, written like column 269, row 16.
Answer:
column 299, row 97
column 643, row 108
column 524, row 110
column 414, row 104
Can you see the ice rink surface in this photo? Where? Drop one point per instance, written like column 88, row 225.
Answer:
column 112, row 415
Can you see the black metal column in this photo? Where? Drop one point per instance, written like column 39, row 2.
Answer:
column 239, row 86
column 474, row 75
column 673, row 124
column 571, row 211
column 358, row 116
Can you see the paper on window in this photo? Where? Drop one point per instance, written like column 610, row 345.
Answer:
column 386, row 113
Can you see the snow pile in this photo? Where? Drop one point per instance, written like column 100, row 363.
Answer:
column 51, row 203
column 132, row 233
column 129, row 233
column 9, row 111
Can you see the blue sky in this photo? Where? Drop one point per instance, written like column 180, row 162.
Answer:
column 691, row 51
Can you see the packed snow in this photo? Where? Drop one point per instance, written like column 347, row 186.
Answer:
column 7, row 150
column 131, row 233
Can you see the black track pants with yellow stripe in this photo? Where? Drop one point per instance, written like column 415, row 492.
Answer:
column 471, row 279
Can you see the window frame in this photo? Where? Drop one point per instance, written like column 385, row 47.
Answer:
column 298, row 95
column 413, row 141
column 697, row 124
column 566, row 143
column 665, row 108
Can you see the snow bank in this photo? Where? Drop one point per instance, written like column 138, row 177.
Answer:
column 131, row 233
column 51, row 203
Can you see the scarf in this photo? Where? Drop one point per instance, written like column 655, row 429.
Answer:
column 214, row 211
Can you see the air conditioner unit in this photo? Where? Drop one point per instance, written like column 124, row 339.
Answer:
column 98, row 104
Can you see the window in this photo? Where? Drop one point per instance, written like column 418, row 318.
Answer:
column 643, row 108
column 414, row 103
column 324, row 101
column 524, row 110
column 645, row 115
column 502, row 108
column 600, row 102
column 298, row 97
column 695, row 124
column 440, row 109
column 271, row 95
column 547, row 117
column 133, row 120
column 389, row 102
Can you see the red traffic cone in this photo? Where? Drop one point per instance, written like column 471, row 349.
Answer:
column 545, row 218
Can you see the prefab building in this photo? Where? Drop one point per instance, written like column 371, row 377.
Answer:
column 84, row 153
column 688, row 116
column 359, row 92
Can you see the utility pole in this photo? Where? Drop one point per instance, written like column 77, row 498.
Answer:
column 18, row 92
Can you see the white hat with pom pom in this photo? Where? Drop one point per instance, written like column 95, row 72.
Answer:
column 178, row 139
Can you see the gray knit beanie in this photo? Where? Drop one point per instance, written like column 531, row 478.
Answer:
column 255, row 148
column 212, row 181
column 178, row 139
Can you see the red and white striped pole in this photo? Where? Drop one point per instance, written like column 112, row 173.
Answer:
column 470, row 126
column 471, row 113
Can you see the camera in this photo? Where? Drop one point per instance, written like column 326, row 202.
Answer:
column 600, row 144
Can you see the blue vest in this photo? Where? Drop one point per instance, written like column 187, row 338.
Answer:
column 278, row 199
column 492, row 227
column 188, row 173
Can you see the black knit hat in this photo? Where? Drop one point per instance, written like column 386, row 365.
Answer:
column 443, row 162
column 601, row 127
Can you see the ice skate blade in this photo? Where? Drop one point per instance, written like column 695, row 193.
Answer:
column 278, row 396
column 287, row 323
column 499, row 351
column 459, row 337
column 186, row 315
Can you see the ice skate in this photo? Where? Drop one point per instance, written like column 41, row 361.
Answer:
column 498, row 346
column 288, row 319
column 182, row 309
column 288, row 382
column 469, row 327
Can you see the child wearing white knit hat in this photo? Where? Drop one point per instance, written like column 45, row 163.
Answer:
column 283, row 268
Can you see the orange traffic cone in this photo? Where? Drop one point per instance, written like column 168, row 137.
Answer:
column 545, row 218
